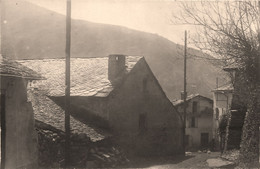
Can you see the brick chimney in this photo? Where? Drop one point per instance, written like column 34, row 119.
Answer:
column 116, row 67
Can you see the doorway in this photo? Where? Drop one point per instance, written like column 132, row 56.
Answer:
column 204, row 140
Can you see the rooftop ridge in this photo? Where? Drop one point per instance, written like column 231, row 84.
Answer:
column 73, row 58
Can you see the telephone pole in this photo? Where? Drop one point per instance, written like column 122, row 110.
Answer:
column 67, row 85
column 2, row 95
column 185, row 92
column 257, row 56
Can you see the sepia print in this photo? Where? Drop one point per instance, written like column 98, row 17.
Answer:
column 129, row 84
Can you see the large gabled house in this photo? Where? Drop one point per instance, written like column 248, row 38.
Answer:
column 117, row 92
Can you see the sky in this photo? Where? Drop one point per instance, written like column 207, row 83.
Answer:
column 152, row 16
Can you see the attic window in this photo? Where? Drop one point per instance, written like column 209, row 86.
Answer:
column 117, row 58
column 142, row 122
column 145, row 85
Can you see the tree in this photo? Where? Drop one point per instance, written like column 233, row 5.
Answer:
column 231, row 32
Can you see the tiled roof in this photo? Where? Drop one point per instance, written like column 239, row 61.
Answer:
column 89, row 76
column 226, row 87
column 48, row 112
column 14, row 69
column 178, row 102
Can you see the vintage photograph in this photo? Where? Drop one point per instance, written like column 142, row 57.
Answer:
column 156, row 84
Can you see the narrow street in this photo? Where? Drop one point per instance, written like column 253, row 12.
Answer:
column 193, row 160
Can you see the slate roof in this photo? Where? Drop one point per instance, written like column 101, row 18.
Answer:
column 48, row 112
column 178, row 102
column 12, row 68
column 89, row 76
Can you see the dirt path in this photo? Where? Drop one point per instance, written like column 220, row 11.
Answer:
column 195, row 160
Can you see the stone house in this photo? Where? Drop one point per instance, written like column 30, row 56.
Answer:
column 199, row 114
column 119, row 93
column 18, row 137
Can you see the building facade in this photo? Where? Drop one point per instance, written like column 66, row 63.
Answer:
column 199, row 115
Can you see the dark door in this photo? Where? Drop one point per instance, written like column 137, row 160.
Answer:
column 204, row 140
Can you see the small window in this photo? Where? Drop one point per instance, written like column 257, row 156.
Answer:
column 193, row 122
column 187, row 140
column 117, row 58
column 142, row 122
column 217, row 113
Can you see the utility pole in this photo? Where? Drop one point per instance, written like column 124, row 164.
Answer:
column 67, row 85
column 257, row 56
column 2, row 95
column 185, row 92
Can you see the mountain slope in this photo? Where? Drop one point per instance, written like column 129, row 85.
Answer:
column 32, row 32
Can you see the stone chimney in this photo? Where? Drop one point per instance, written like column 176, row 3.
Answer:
column 116, row 67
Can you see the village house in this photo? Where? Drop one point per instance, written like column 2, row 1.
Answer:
column 198, row 121
column 229, row 112
column 222, row 99
column 18, row 137
column 119, row 93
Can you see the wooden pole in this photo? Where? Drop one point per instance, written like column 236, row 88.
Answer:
column 3, row 95
column 67, row 85
column 257, row 56
column 185, row 92
column 3, row 130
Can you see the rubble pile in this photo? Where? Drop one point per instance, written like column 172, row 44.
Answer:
column 80, row 145
column 84, row 153
column 106, row 157
column 49, row 148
